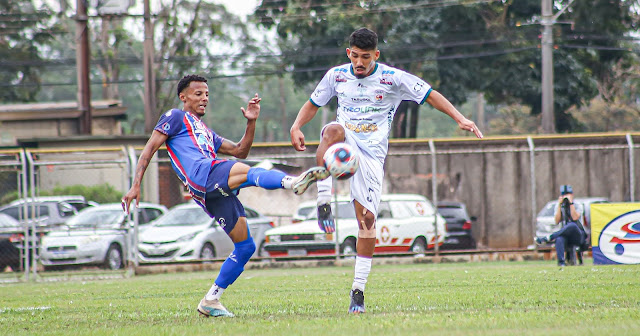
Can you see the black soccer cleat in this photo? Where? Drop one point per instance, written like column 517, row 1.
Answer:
column 357, row 302
column 325, row 218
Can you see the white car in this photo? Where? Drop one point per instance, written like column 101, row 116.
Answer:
column 96, row 235
column 405, row 224
column 187, row 233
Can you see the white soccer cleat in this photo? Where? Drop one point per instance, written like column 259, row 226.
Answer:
column 306, row 179
column 213, row 308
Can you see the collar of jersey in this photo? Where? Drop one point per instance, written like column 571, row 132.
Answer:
column 372, row 72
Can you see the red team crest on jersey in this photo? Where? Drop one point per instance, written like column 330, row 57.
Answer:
column 379, row 95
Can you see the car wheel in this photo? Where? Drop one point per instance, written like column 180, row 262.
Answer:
column 262, row 252
column 348, row 248
column 207, row 252
column 419, row 246
column 113, row 260
column 15, row 267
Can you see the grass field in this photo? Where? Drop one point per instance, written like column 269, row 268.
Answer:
column 491, row 298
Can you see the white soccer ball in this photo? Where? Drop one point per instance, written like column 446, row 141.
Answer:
column 341, row 161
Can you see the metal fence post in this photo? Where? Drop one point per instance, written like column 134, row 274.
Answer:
column 335, row 201
column 434, row 194
column 31, row 223
column 632, row 179
column 534, row 206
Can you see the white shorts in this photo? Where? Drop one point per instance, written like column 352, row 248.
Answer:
column 366, row 184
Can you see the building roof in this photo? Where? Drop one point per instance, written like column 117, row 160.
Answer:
column 60, row 110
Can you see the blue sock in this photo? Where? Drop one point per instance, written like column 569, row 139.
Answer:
column 234, row 265
column 267, row 179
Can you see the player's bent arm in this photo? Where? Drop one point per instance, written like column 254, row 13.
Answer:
column 442, row 104
column 242, row 148
column 153, row 144
column 306, row 113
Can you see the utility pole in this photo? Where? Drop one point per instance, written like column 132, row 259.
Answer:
column 548, row 118
column 82, row 67
column 149, row 73
column 548, row 20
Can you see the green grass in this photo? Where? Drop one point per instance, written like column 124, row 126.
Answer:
column 493, row 298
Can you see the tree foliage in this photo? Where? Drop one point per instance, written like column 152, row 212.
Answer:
column 23, row 30
column 491, row 47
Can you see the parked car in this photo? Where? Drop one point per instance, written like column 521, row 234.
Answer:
column 186, row 233
column 545, row 220
column 458, row 225
column 49, row 212
column 258, row 224
column 306, row 210
column 405, row 224
column 96, row 235
column 10, row 232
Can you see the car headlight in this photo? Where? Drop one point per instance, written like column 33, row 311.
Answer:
column 321, row 236
column 274, row 239
column 187, row 237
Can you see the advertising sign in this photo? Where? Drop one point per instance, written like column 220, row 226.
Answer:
column 615, row 233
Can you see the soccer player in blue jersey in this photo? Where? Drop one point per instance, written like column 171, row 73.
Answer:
column 214, row 182
column 369, row 94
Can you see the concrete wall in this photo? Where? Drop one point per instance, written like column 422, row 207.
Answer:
column 491, row 176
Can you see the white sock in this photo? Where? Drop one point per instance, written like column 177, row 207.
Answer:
column 287, row 182
column 324, row 190
column 214, row 293
column 362, row 269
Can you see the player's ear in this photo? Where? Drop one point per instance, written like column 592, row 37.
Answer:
column 377, row 54
column 348, row 52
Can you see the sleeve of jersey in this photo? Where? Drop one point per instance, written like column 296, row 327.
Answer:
column 324, row 91
column 217, row 141
column 170, row 123
column 413, row 88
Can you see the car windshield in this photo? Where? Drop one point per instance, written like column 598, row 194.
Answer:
column 452, row 212
column 97, row 217
column 345, row 210
column 548, row 210
column 305, row 211
column 183, row 217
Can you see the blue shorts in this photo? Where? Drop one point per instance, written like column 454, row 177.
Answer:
column 221, row 202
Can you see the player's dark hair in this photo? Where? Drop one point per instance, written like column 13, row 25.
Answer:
column 186, row 80
column 364, row 39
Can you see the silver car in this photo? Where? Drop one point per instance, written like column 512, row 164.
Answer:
column 96, row 235
column 545, row 220
column 187, row 233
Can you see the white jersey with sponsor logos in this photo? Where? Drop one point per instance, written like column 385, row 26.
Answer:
column 366, row 106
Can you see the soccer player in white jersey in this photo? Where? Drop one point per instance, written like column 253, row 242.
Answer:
column 369, row 94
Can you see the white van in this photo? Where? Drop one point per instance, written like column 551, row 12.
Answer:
column 406, row 223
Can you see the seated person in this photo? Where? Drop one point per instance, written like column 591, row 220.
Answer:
column 572, row 233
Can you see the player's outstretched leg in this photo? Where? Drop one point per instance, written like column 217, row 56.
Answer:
column 302, row 182
column 357, row 302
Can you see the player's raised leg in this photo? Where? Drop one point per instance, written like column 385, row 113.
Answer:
column 331, row 134
column 241, row 176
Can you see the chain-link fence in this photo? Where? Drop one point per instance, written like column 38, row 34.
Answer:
column 502, row 182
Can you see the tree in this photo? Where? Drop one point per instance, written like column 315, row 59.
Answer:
column 487, row 47
column 23, row 29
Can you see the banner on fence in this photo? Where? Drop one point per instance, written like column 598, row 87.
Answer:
column 615, row 233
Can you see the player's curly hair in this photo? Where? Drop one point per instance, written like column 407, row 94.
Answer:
column 364, row 39
column 186, row 80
